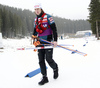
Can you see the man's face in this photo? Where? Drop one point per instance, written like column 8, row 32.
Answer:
column 37, row 11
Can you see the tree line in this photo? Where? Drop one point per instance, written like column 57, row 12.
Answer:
column 94, row 16
column 16, row 22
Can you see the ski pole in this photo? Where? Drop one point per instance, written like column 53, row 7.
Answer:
column 59, row 44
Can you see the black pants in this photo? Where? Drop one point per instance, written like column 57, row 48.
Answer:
column 46, row 54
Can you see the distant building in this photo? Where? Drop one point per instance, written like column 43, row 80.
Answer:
column 84, row 33
column 1, row 44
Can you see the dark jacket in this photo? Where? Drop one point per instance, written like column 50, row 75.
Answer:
column 47, row 34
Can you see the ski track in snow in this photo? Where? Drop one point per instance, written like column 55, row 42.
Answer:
column 75, row 71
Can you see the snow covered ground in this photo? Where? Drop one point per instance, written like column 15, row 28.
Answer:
column 75, row 71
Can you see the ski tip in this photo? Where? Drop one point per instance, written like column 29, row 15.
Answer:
column 74, row 51
column 27, row 76
column 20, row 48
column 85, row 55
column 84, row 45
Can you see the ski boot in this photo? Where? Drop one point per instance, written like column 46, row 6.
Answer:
column 55, row 76
column 43, row 81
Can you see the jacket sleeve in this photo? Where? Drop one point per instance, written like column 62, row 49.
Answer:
column 34, row 32
column 54, row 29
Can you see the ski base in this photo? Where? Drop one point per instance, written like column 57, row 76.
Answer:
column 33, row 73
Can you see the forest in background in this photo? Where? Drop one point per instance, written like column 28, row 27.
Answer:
column 16, row 22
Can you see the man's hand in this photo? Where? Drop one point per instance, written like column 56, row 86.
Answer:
column 55, row 43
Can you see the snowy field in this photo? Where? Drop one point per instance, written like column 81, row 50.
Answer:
column 75, row 70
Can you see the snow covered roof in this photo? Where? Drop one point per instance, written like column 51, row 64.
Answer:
column 83, row 32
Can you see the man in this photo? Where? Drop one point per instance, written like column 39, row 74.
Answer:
column 45, row 28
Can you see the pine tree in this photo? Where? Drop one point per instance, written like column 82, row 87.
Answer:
column 0, row 19
column 94, row 9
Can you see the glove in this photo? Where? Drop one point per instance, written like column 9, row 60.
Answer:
column 55, row 43
column 36, row 42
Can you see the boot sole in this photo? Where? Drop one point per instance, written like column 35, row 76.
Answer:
column 43, row 83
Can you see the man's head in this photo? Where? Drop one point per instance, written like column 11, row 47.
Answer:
column 38, row 8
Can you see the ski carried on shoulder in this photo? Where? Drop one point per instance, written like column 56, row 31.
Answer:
column 75, row 51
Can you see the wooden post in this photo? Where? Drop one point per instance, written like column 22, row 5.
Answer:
column 97, row 30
